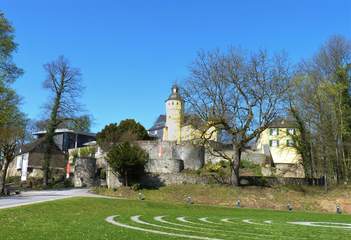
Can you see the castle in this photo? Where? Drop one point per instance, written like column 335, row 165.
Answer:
column 176, row 126
column 274, row 146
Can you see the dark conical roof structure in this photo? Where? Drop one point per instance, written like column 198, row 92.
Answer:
column 175, row 94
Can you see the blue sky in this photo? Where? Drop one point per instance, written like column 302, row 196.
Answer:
column 131, row 52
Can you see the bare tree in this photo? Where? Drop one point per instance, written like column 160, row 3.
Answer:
column 64, row 84
column 237, row 94
column 12, row 135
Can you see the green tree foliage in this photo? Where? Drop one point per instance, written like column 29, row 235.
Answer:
column 12, row 120
column 321, row 104
column 12, row 134
column 128, row 160
column 8, row 70
column 126, row 130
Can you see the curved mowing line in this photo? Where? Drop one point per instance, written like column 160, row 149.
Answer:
column 205, row 219
column 182, row 219
column 251, row 222
column 160, row 219
column 226, row 220
column 137, row 220
column 324, row 224
column 111, row 220
column 243, row 234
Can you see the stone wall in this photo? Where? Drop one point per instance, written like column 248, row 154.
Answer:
column 166, row 159
column 164, row 166
column 192, row 155
column 84, row 172
column 154, row 180
column 112, row 179
column 252, row 156
column 163, row 179
column 165, row 156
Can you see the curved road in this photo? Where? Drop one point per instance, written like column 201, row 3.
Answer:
column 31, row 197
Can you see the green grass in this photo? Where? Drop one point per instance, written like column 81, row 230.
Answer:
column 84, row 218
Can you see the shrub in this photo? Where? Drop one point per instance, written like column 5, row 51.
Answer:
column 128, row 160
column 253, row 167
column 87, row 152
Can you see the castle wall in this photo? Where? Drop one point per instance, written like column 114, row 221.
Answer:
column 164, row 166
column 164, row 156
column 192, row 155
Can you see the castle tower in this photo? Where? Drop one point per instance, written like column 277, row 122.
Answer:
column 174, row 116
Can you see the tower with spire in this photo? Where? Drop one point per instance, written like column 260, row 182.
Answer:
column 174, row 116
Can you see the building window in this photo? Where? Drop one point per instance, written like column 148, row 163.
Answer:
column 290, row 143
column 155, row 132
column 273, row 131
column 290, row 131
column 274, row 143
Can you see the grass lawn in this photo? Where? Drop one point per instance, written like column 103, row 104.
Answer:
column 85, row 218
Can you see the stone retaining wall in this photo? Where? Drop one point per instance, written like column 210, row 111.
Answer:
column 164, row 166
column 168, row 154
column 84, row 172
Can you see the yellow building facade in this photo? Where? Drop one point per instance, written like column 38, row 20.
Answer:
column 278, row 142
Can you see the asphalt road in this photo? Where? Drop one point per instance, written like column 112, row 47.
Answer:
column 31, row 197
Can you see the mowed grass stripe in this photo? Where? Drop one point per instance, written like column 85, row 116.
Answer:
column 211, row 228
column 265, row 229
column 203, row 231
column 112, row 220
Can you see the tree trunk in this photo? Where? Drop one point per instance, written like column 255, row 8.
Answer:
column 50, row 133
column 235, row 178
column 3, row 173
column 46, row 169
column 47, row 158
column 126, row 179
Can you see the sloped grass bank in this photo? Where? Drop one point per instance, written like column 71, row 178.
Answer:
column 302, row 198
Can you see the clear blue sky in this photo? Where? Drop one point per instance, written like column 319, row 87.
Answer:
column 130, row 52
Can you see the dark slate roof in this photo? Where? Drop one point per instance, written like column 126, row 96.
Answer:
column 175, row 94
column 29, row 147
column 159, row 123
column 283, row 122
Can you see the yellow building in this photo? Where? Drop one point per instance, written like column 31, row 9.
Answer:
column 277, row 143
column 175, row 125
column 174, row 116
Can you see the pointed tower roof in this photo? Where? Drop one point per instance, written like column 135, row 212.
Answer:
column 175, row 94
